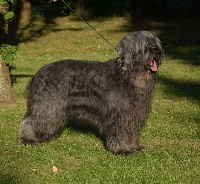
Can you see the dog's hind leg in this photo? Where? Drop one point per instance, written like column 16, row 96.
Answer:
column 41, row 124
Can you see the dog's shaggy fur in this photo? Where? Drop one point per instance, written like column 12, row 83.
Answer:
column 114, row 96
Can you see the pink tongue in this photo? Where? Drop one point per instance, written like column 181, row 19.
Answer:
column 154, row 67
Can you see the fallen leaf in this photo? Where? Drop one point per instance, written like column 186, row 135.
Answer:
column 54, row 169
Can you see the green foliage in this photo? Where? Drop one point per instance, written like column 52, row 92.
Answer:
column 2, row 1
column 7, row 52
column 9, row 15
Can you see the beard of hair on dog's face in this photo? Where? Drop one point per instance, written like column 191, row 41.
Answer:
column 151, row 49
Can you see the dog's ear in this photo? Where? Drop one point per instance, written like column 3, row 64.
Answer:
column 130, row 51
column 124, row 46
column 124, row 50
column 120, row 47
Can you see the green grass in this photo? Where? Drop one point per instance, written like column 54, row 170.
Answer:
column 172, row 133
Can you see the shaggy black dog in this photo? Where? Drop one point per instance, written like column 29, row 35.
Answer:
column 114, row 96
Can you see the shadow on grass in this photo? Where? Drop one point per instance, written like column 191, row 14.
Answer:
column 8, row 178
column 85, row 127
column 179, row 88
column 35, row 30
column 14, row 77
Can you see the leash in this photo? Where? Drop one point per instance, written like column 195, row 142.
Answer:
column 89, row 25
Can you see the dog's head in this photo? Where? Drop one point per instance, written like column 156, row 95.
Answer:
column 140, row 50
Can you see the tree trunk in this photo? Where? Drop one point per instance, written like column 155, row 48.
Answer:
column 80, row 8
column 6, row 93
column 24, row 10
column 3, row 24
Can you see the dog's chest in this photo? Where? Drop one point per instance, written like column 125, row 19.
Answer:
column 143, row 81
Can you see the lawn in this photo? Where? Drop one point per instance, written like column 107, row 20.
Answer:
column 172, row 133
